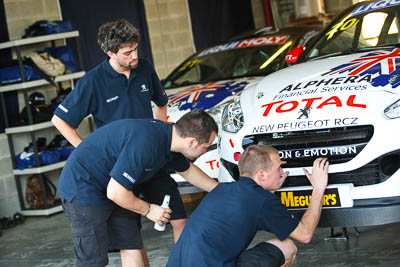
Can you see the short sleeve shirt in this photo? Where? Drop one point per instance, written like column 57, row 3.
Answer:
column 225, row 223
column 130, row 150
column 109, row 95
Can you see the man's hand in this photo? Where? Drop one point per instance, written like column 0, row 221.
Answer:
column 319, row 176
column 319, row 180
column 158, row 214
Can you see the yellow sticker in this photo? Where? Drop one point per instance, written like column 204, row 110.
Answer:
column 342, row 26
column 302, row 198
column 190, row 64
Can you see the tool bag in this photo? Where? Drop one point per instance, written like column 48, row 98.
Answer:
column 34, row 196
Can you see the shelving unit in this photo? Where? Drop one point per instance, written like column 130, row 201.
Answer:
column 31, row 128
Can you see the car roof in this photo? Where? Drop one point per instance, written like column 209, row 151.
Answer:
column 267, row 31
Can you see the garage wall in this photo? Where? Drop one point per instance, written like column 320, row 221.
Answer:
column 170, row 33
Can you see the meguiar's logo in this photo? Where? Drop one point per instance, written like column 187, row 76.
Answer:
column 301, row 199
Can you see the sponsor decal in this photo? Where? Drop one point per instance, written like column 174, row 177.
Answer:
column 214, row 164
column 130, row 178
column 231, row 143
column 308, row 124
column 302, row 198
column 342, row 26
column 302, row 153
column 343, row 83
column 112, row 99
column 382, row 65
column 258, row 41
column 288, row 106
column 205, row 97
column 304, row 112
column 190, row 64
column 374, row 6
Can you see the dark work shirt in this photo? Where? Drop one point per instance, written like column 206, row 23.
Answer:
column 109, row 95
column 130, row 150
column 225, row 223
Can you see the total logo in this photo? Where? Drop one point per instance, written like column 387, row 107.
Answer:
column 282, row 107
column 214, row 164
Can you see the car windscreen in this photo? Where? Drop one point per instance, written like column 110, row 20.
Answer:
column 365, row 27
column 210, row 65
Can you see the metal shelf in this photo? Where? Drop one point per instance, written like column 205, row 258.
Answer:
column 16, row 44
column 39, row 39
column 42, row 212
column 41, row 169
column 36, row 83
column 29, row 128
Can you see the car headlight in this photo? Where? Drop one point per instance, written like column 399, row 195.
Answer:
column 393, row 111
column 232, row 116
column 216, row 113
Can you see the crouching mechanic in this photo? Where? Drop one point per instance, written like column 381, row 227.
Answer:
column 100, row 174
column 226, row 221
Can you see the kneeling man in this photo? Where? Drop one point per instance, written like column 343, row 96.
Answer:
column 226, row 221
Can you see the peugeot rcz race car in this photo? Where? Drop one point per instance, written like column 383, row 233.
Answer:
column 343, row 103
column 214, row 75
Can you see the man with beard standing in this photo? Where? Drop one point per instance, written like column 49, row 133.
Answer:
column 121, row 87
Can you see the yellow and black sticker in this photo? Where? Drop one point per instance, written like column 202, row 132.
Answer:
column 301, row 198
column 342, row 26
column 190, row 64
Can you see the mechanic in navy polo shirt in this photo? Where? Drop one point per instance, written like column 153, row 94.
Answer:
column 226, row 221
column 101, row 173
column 121, row 87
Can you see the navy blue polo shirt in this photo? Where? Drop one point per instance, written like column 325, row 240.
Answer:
column 130, row 150
column 109, row 95
column 225, row 223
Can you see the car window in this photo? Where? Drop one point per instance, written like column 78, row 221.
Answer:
column 257, row 60
column 354, row 30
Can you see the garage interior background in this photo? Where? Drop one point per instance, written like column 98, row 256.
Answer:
column 171, row 30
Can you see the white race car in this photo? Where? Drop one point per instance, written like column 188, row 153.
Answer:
column 211, row 77
column 343, row 104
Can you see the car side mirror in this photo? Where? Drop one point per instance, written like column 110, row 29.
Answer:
column 293, row 55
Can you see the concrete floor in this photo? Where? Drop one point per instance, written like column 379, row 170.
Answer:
column 45, row 242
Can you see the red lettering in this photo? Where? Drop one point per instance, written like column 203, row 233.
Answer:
column 350, row 102
column 335, row 99
column 310, row 101
column 167, row 120
column 211, row 163
column 269, row 106
column 293, row 103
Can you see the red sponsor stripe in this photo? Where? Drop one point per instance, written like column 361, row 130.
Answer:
column 391, row 65
column 230, row 141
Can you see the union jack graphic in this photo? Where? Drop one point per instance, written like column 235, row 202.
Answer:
column 205, row 96
column 385, row 63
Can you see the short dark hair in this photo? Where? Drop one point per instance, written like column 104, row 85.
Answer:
column 114, row 35
column 255, row 157
column 198, row 124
